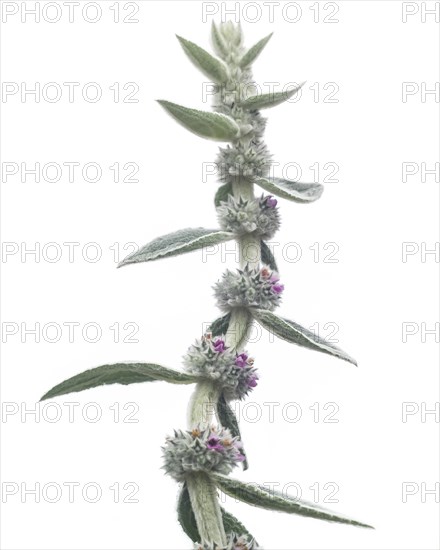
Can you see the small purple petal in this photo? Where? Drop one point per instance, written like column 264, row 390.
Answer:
column 278, row 288
column 241, row 360
column 274, row 278
column 240, row 458
column 252, row 382
column 213, row 444
column 219, row 345
column 271, row 202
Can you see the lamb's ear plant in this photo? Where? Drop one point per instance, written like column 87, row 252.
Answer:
column 201, row 457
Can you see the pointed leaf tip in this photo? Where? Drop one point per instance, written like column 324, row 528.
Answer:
column 264, row 101
column 119, row 373
column 291, row 190
column 296, row 334
column 215, row 126
column 260, row 496
column 213, row 68
column 251, row 55
column 178, row 242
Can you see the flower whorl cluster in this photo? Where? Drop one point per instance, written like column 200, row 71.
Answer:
column 209, row 450
column 211, row 359
column 248, row 288
column 243, row 161
column 235, row 542
column 248, row 216
column 249, row 158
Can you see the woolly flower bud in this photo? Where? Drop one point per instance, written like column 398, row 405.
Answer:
column 246, row 216
column 248, row 288
column 233, row 372
column 209, row 450
column 243, row 161
column 235, row 542
column 231, row 33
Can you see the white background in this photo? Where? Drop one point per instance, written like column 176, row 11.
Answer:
column 369, row 292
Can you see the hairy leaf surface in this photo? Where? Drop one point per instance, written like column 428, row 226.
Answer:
column 178, row 242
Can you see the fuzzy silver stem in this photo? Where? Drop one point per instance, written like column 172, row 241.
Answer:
column 203, row 405
column 249, row 250
column 204, row 501
column 202, row 491
column 249, row 247
column 238, row 329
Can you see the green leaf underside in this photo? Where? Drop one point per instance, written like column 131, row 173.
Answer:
column 264, row 101
column 220, row 326
column 251, row 55
column 257, row 495
column 215, row 126
column 185, row 515
column 187, row 518
column 210, row 66
column 267, row 257
column 119, row 373
column 229, row 420
column 296, row 334
column 233, row 525
column 291, row 190
column 178, row 242
column 222, row 193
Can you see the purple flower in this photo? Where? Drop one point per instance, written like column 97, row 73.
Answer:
column 241, row 360
column 214, row 444
column 271, row 202
column 219, row 345
column 239, row 457
column 278, row 288
column 274, row 278
column 252, row 382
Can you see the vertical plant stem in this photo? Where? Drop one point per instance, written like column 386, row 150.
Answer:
column 201, row 489
column 204, row 402
column 204, row 501
column 249, row 251
column 203, row 405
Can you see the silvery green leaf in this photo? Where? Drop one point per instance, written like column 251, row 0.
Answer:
column 218, row 41
column 220, row 326
column 233, row 525
column 210, row 66
column 257, row 495
column 296, row 334
column 267, row 257
column 215, row 126
column 179, row 242
column 229, row 420
column 187, row 518
column 264, row 101
column 251, row 55
column 222, row 193
column 185, row 515
column 119, row 373
column 291, row 190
